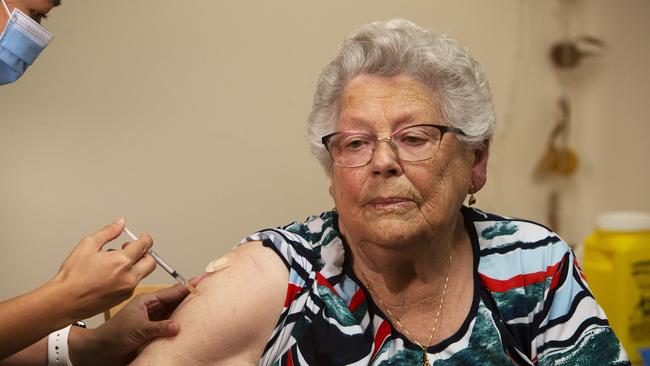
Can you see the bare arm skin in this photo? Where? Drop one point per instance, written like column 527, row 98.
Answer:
column 232, row 320
column 35, row 354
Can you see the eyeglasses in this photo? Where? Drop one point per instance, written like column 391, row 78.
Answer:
column 413, row 143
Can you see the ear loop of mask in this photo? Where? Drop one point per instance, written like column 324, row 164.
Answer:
column 4, row 5
column 6, row 8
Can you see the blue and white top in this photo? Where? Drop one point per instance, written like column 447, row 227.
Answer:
column 531, row 305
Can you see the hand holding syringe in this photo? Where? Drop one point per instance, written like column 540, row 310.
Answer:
column 177, row 276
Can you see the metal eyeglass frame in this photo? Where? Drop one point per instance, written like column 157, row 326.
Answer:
column 443, row 129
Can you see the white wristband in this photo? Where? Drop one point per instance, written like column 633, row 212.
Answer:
column 57, row 348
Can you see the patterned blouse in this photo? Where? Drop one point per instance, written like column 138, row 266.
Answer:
column 531, row 304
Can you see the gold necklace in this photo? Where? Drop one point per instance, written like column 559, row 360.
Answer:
column 395, row 319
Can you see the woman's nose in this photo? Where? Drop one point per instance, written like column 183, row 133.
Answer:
column 384, row 160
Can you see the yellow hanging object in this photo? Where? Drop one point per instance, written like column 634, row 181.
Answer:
column 559, row 159
column 562, row 161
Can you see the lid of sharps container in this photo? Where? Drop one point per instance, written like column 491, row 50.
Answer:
column 629, row 221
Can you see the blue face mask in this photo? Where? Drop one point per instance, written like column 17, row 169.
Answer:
column 21, row 42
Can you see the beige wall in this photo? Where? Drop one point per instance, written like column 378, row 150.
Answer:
column 187, row 118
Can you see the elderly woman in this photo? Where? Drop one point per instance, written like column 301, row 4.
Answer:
column 400, row 272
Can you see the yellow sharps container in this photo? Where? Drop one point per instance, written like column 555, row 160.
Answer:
column 617, row 265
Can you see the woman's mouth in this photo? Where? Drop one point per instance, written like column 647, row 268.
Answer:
column 390, row 203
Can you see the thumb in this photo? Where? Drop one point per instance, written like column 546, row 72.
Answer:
column 163, row 328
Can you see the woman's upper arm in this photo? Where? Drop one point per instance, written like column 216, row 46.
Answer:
column 232, row 319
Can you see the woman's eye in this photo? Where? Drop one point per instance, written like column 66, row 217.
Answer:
column 413, row 139
column 355, row 143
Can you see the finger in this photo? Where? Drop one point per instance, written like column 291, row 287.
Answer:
column 163, row 328
column 137, row 248
column 171, row 295
column 194, row 281
column 108, row 233
column 144, row 266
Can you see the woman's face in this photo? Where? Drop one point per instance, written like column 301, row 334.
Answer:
column 35, row 9
column 389, row 201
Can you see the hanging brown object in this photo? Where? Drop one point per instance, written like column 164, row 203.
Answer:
column 567, row 54
column 559, row 158
column 562, row 161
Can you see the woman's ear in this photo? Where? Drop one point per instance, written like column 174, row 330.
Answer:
column 479, row 169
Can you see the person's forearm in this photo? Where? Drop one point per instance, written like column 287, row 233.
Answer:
column 85, row 348
column 26, row 319
column 34, row 355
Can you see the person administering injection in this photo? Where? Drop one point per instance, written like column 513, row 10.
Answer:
column 90, row 281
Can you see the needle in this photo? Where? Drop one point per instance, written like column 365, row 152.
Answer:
column 177, row 276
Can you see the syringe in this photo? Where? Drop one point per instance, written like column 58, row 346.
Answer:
column 177, row 276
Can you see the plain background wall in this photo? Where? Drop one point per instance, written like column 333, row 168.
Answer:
column 187, row 118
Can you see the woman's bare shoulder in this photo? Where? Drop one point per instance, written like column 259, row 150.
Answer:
column 232, row 318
